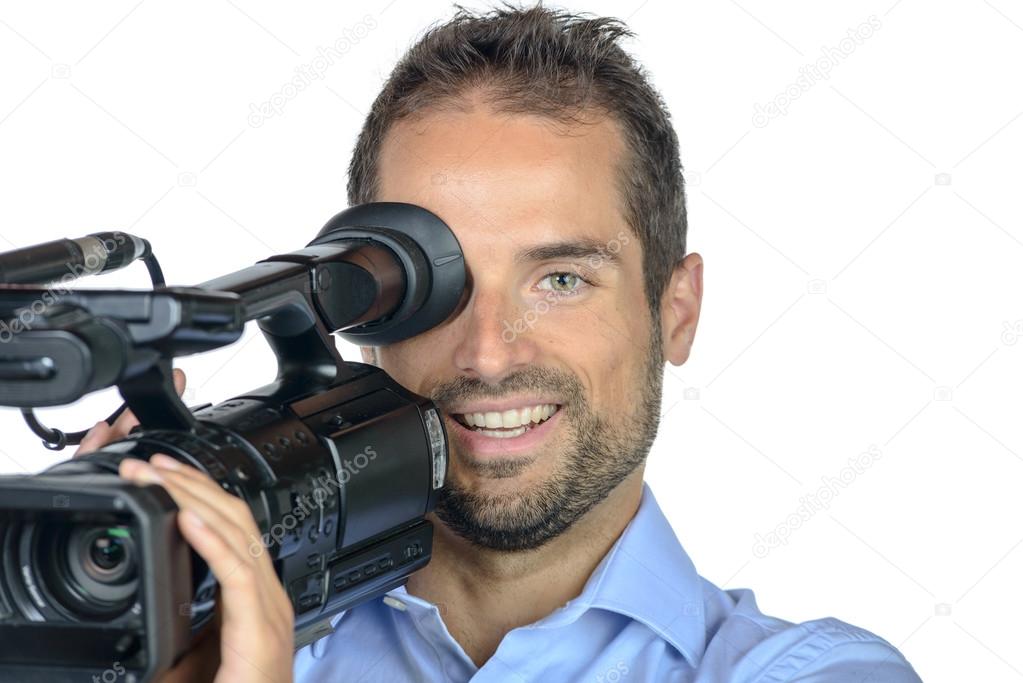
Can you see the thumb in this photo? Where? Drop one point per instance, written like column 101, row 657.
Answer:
column 179, row 380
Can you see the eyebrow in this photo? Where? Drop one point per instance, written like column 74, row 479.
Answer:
column 582, row 248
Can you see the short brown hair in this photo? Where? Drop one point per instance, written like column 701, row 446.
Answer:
column 553, row 63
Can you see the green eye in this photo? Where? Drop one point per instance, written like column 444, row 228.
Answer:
column 562, row 282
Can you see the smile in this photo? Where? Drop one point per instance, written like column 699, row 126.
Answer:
column 510, row 423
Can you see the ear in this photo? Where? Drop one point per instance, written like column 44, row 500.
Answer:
column 680, row 309
column 369, row 355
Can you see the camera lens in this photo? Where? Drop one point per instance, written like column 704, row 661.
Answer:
column 107, row 558
column 92, row 569
column 106, row 553
column 101, row 560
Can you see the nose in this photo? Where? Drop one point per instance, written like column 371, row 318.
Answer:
column 494, row 337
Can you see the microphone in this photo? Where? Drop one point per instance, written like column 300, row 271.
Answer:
column 69, row 259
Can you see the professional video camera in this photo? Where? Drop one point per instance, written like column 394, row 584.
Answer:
column 338, row 463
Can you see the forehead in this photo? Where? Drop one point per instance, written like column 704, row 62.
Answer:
column 498, row 178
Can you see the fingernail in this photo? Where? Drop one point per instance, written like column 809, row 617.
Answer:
column 165, row 462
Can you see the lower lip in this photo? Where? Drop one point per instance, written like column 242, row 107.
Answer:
column 482, row 445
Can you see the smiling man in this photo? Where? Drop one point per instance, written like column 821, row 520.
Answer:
column 545, row 148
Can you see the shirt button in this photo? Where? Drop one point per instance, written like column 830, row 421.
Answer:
column 391, row 601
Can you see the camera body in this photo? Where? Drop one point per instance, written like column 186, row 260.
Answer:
column 338, row 463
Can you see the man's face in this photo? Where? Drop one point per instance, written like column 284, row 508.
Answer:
column 549, row 374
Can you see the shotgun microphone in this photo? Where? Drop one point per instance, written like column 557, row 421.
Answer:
column 69, row 259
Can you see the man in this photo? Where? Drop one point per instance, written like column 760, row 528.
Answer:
column 544, row 147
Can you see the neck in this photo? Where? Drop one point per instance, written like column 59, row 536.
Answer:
column 480, row 592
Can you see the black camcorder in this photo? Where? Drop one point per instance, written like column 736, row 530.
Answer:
column 338, row 463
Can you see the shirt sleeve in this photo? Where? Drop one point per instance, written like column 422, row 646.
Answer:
column 858, row 662
column 826, row 651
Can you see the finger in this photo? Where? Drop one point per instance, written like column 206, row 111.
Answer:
column 194, row 491
column 220, row 510
column 166, row 462
column 238, row 547
column 245, row 547
column 185, row 493
column 202, row 484
column 251, row 628
column 179, row 380
column 216, row 506
column 232, row 519
column 98, row 435
column 255, row 545
column 238, row 577
column 240, row 527
column 248, row 582
column 123, row 424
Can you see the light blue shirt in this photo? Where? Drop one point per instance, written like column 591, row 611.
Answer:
column 643, row 615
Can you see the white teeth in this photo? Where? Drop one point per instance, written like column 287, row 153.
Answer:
column 504, row 433
column 509, row 419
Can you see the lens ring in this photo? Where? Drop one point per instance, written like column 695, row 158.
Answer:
column 81, row 586
column 100, row 589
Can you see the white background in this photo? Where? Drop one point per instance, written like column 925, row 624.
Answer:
column 863, row 251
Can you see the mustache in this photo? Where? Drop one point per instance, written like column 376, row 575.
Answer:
column 533, row 379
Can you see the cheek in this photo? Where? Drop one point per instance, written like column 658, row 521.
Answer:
column 609, row 352
column 404, row 363
column 598, row 349
column 605, row 332
column 420, row 363
column 597, row 318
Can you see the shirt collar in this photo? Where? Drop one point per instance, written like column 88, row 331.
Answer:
column 646, row 576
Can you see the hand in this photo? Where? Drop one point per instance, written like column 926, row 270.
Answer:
column 254, row 624
column 257, row 622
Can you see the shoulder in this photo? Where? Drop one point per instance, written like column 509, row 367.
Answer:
column 757, row 648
